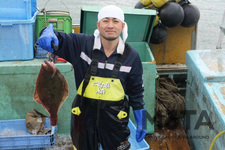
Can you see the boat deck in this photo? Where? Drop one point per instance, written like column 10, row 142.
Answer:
column 170, row 137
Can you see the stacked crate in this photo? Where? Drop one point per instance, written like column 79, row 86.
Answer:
column 17, row 28
column 61, row 21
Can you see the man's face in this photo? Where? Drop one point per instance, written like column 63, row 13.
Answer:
column 110, row 28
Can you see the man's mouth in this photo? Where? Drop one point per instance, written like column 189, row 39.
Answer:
column 110, row 31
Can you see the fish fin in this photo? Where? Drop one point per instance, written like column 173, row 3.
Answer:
column 66, row 90
column 36, row 97
column 54, row 72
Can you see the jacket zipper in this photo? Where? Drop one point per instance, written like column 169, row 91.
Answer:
column 105, row 64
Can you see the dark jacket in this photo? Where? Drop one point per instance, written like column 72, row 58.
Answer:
column 77, row 49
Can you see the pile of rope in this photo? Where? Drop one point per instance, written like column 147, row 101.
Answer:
column 170, row 103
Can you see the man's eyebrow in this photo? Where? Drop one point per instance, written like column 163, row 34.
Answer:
column 109, row 17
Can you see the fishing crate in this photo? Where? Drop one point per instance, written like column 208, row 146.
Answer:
column 61, row 21
column 17, row 39
column 205, row 91
column 17, row 9
column 140, row 24
column 14, row 135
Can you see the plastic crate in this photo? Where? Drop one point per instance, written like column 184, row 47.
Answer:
column 143, row 145
column 17, row 9
column 23, row 139
column 62, row 23
column 17, row 39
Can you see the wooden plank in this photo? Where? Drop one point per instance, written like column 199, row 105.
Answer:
column 170, row 137
column 157, row 140
column 171, row 69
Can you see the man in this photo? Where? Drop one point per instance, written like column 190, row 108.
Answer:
column 105, row 70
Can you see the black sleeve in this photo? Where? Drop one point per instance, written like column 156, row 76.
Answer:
column 71, row 45
column 134, row 84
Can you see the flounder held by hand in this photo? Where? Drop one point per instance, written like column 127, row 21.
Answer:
column 51, row 90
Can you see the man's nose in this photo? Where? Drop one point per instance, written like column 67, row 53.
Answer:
column 110, row 25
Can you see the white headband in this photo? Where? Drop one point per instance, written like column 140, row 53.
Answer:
column 111, row 11
column 114, row 12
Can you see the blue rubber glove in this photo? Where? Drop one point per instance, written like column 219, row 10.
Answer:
column 47, row 37
column 141, row 131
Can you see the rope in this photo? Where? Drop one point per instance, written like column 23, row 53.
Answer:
column 214, row 140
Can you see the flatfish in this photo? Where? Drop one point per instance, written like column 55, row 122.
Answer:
column 51, row 90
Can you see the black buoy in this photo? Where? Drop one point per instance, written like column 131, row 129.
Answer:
column 159, row 34
column 139, row 5
column 171, row 14
column 191, row 15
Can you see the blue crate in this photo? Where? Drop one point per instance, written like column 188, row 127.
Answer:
column 143, row 145
column 17, row 9
column 17, row 39
column 40, row 52
column 23, row 139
